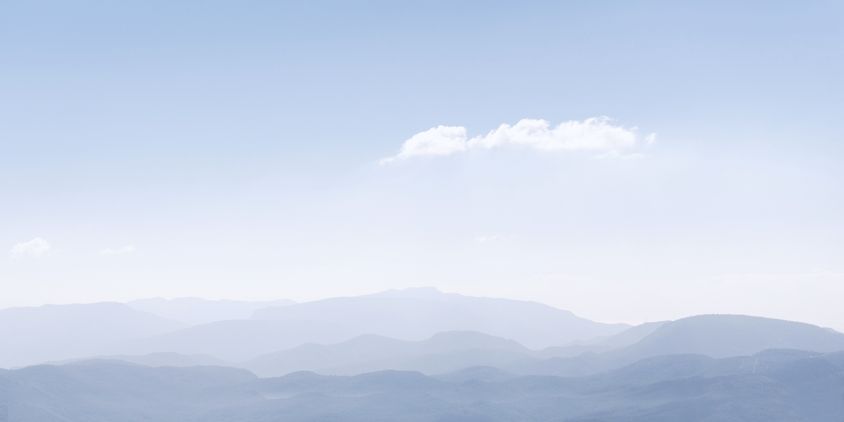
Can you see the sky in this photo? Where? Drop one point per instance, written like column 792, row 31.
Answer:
column 627, row 161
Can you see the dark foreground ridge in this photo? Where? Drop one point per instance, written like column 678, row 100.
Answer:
column 776, row 385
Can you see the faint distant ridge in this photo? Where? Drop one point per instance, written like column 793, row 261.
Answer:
column 155, row 360
column 735, row 335
column 192, row 310
column 443, row 352
column 418, row 313
column 58, row 332
column 625, row 338
column 712, row 336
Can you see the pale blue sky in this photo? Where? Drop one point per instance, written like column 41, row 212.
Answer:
column 231, row 149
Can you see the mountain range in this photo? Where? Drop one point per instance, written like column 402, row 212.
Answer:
column 415, row 314
column 416, row 354
column 423, row 330
column 770, row 386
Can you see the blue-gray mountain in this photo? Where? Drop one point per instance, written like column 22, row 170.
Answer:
column 771, row 386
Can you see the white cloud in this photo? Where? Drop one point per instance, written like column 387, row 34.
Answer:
column 123, row 250
column 31, row 249
column 440, row 140
column 596, row 134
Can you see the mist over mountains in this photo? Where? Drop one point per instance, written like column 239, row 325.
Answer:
column 416, row 354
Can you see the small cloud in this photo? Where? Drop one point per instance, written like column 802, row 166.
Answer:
column 123, row 250
column 487, row 238
column 596, row 134
column 440, row 140
column 31, row 249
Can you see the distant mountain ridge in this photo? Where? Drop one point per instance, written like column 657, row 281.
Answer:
column 735, row 335
column 711, row 336
column 416, row 329
column 444, row 352
column 714, row 336
column 415, row 314
column 58, row 332
column 412, row 315
column 193, row 311
column 154, row 360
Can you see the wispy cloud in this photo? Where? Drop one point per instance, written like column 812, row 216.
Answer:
column 30, row 249
column 596, row 134
column 123, row 250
